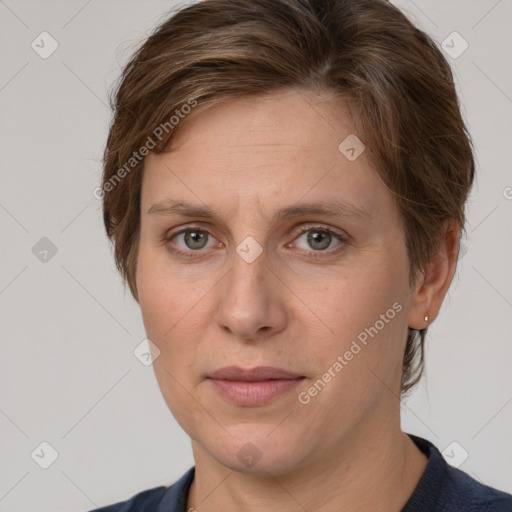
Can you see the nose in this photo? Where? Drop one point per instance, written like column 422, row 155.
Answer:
column 251, row 300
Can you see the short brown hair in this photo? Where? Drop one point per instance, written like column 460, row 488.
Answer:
column 400, row 88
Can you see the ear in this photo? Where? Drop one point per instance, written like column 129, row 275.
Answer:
column 433, row 283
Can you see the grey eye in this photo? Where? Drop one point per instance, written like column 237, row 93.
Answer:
column 318, row 239
column 195, row 239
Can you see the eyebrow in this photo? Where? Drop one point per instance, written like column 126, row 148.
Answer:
column 332, row 209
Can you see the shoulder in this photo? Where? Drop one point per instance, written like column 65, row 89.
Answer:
column 459, row 489
column 449, row 489
column 145, row 501
column 158, row 499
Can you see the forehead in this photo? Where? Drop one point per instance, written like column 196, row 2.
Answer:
column 298, row 118
column 263, row 150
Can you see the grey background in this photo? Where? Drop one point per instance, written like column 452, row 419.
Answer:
column 68, row 375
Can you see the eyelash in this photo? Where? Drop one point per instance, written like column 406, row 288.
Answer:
column 311, row 255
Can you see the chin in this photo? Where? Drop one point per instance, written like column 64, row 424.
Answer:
column 253, row 451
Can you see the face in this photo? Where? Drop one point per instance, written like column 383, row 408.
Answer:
column 273, row 277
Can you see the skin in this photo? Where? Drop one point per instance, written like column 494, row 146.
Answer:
column 245, row 159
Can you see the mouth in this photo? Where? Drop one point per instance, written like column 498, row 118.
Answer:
column 255, row 386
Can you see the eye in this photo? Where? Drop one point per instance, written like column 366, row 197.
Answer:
column 317, row 238
column 189, row 241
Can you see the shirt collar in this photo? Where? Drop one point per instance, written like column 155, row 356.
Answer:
column 175, row 499
column 426, row 494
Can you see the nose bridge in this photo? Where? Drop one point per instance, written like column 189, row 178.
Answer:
column 247, row 279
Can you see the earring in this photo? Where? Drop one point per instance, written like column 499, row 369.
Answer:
column 426, row 319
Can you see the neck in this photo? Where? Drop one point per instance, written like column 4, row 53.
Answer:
column 376, row 470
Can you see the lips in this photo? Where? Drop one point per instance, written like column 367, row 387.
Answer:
column 255, row 386
column 261, row 373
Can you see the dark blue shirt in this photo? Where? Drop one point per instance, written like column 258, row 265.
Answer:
column 442, row 488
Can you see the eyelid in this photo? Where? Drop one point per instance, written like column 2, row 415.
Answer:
column 188, row 227
column 302, row 228
column 320, row 227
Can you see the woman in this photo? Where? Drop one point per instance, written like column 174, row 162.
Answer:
column 284, row 184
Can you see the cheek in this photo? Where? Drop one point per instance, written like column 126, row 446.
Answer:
column 344, row 305
column 166, row 312
column 164, row 297
column 175, row 311
column 162, row 306
column 361, row 361
column 360, row 317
